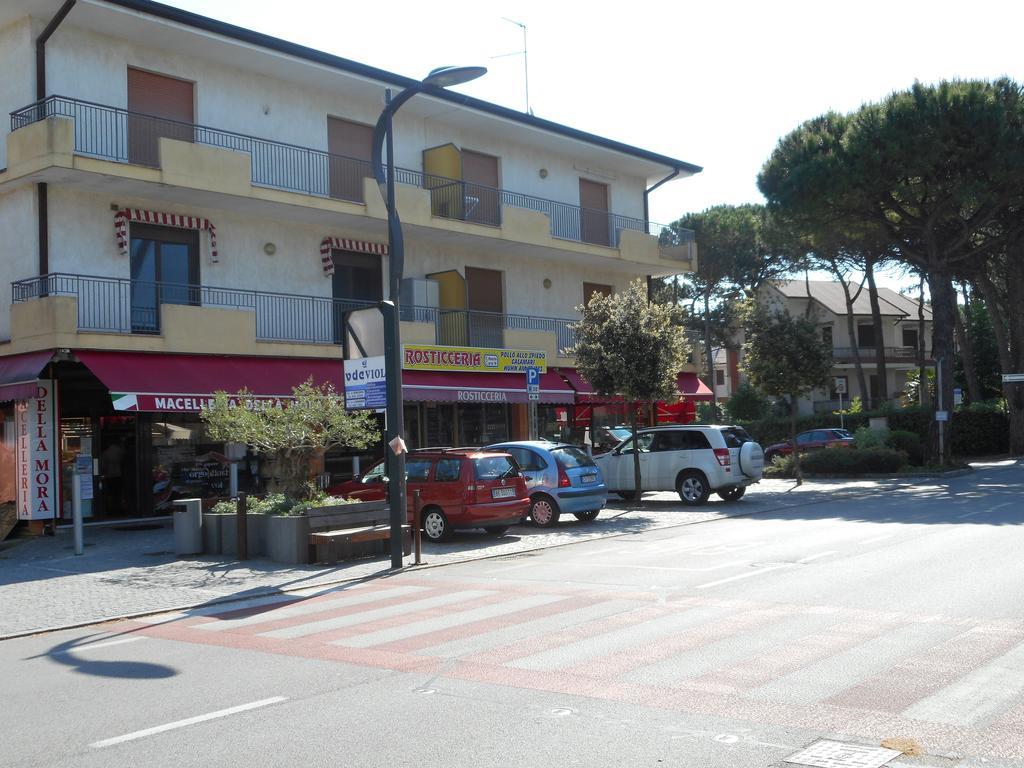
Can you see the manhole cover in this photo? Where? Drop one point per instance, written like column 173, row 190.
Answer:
column 837, row 754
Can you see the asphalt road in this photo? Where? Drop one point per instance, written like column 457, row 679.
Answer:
column 736, row 642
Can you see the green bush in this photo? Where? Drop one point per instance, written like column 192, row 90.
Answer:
column 980, row 432
column 866, row 438
column 853, row 461
column 323, row 500
column 746, row 404
column 909, row 443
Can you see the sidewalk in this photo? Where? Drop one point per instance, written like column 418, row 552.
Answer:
column 132, row 570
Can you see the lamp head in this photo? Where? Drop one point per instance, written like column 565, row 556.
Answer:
column 445, row 77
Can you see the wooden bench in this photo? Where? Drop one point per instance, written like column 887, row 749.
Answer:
column 336, row 533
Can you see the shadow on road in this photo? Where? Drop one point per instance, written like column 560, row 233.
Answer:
column 64, row 653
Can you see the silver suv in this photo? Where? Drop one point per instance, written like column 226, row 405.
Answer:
column 694, row 460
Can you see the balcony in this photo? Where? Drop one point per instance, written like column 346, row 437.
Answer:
column 907, row 355
column 116, row 135
column 233, row 318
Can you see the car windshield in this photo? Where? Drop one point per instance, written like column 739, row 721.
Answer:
column 735, row 437
column 494, row 467
column 570, row 457
column 619, row 433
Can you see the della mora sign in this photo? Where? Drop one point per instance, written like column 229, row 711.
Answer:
column 36, row 454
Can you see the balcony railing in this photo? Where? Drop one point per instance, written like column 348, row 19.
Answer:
column 122, row 305
column 112, row 133
column 867, row 354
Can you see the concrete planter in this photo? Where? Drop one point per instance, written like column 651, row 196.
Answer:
column 287, row 538
column 256, row 535
column 212, row 533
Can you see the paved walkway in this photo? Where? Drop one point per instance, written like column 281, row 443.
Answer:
column 132, row 570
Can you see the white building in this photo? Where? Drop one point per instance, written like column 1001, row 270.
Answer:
column 187, row 206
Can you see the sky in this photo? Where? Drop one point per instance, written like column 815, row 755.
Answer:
column 714, row 83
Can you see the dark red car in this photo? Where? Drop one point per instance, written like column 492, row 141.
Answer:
column 809, row 441
column 466, row 488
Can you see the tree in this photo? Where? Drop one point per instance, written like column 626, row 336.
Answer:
column 786, row 357
column 747, row 404
column 739, row 249
column 931, row 171
column 294, row 434
column 629, row 347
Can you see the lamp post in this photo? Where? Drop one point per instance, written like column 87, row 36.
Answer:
column 442, row 77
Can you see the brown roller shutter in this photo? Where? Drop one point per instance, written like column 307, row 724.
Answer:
column 486, row 324
column 480, row 174
column 594, row 223
column 350, row 146
column 158, row 106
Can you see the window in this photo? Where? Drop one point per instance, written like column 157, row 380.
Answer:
column 527, row 460
column 357, row 276
column 164, row 270
column 720, row 378
column 349, row 149
column 695, row 440
column 589, row 289
column 158, row 106
column 826, row 335
column 448, row 470
column 571, row 458
column 375, row 475
column 668, row 441
column 417, row 470
column 865, row 335
column 494, row 467
column 804, row 438
column 735, row 437
column 910, row 337
column 644, row 439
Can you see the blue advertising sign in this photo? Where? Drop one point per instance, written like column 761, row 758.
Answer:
column 365, row 384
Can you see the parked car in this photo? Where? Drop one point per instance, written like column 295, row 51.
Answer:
column 694, row 460
column 468, row 488
column 809, row 441
column 560, row 478
column 603, row 439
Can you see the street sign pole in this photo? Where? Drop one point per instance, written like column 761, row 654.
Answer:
column 532, row 396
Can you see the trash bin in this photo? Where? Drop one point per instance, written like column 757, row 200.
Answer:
column 188, row 527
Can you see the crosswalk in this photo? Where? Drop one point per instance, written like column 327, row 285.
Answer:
column 944, row 681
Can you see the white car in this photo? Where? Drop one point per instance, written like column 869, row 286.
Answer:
column 693, row 460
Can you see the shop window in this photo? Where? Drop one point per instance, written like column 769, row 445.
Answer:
column 164, row 270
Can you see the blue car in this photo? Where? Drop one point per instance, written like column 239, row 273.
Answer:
column 560, row 478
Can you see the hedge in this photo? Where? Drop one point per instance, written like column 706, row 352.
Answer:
column 853, row 461
column 974, row 433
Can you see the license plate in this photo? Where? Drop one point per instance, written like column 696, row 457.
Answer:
column 502, row 493
column 589, row 478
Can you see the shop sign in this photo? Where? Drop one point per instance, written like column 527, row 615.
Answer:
column 172, row 403
column 36, row 454
column 424, row 357
column 365, row 384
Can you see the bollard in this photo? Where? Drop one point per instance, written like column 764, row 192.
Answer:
column 241, row 534
column 417, row 510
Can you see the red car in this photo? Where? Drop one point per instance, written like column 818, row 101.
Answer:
column 808, row 441
column 466, row 488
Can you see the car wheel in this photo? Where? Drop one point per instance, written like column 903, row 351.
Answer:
column 735, row 493
column 435, row 525
column 627, row 495
column 543, row 511
column 497, row 530
column 587, row 517
column 693, row 488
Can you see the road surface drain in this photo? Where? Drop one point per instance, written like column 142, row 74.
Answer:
column 424, row 691
column 560, row 712
column 838, row 754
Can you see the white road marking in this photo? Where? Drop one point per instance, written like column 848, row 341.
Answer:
column 94, row 646
column 756, row 572
column 809, row 558
column 879, row 538
column 188, row 721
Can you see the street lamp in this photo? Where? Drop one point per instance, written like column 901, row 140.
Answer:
column 443, row 77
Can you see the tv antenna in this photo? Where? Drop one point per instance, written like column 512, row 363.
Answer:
column 526, row 65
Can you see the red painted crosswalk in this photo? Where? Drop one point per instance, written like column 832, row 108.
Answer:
column 868, row 673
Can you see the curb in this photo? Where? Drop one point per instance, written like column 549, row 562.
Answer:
column 273, row 591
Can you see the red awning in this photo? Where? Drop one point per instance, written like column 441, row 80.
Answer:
column 140, row 381
column 444, row 386
column 692, row 388
column 19, row 374
column 689, row 385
